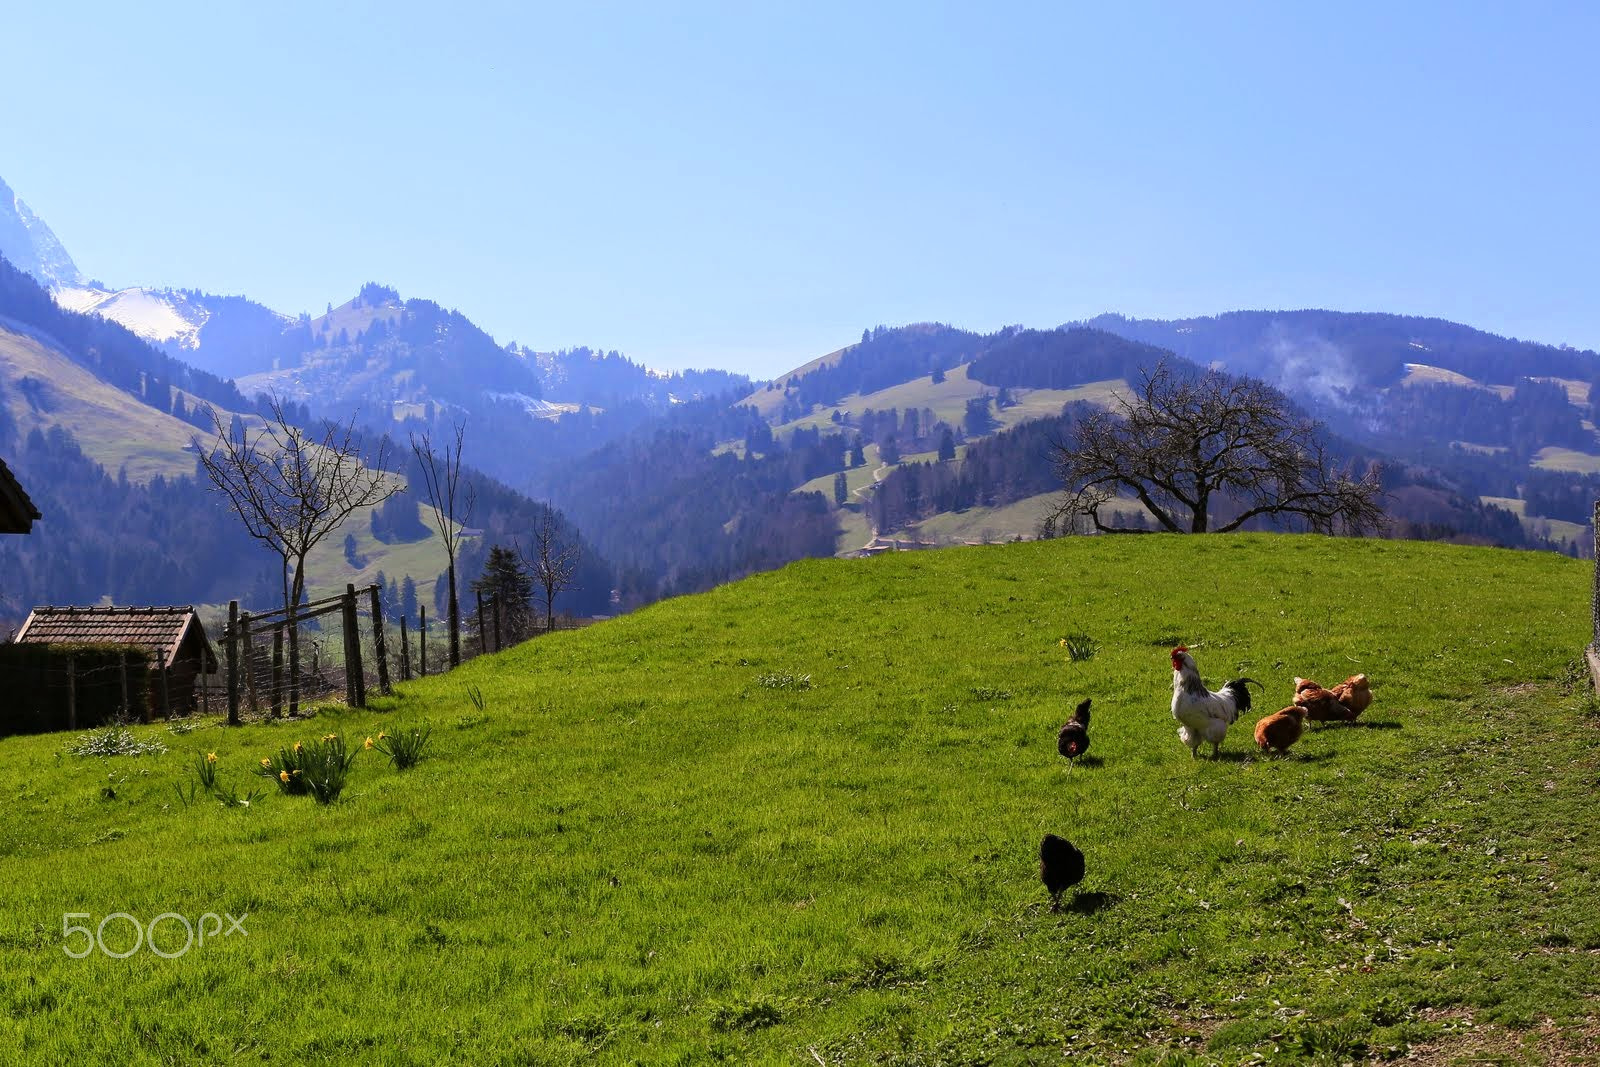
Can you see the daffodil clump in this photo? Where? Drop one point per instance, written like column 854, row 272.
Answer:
column 404, row 749
column 319, row 768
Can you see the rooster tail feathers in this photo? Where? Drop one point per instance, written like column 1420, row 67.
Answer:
column 1239, row 687
column 1081, row 716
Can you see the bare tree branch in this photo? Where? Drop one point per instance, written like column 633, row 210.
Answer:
column 1183, row 445
column 441, row 476
column 291, row 490
column 553, row 564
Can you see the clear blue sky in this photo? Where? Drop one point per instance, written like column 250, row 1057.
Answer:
column 748, row 185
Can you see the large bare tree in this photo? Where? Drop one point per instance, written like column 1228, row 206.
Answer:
column 1182, row 445
column 441, row 476
column 553, row 563
column 292, row 488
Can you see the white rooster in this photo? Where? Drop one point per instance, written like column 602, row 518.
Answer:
column 1203, row 715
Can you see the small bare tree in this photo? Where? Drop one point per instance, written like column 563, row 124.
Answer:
column 553, row 563
column 1180, row 444
column 441, row 476
column 292, row 489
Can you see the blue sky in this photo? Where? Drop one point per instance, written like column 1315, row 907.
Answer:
column 748, row 186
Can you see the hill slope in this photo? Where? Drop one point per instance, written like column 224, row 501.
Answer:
column 795, row 820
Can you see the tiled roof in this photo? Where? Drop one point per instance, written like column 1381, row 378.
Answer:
column 16, row 510
column 161, row 630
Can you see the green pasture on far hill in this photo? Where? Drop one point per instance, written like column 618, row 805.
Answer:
column 795, row 820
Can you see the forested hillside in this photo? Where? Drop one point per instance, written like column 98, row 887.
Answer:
column 168, row 537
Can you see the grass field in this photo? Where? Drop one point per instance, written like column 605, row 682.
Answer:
column 114, row 429
column 948, row 400
column 795, row 820
column 1558, row 530
column 1567, row 459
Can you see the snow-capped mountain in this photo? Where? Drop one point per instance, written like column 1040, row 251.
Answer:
column 163, row 316
column 27, row 242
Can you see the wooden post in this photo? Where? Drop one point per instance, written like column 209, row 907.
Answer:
column 483, row 630
column 1594, row 599
column 277, row 672
column 72, row 693
column 166, row 700
column 346, row 610
column 494, row 609
column 122, row 659
column 358, row 682
column 405, row 652
column 377, row 642
column 249, row 662
column 230, row 636
column 422, row 637
column 205, row 687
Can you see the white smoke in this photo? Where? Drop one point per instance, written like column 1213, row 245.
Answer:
column 1313, row 370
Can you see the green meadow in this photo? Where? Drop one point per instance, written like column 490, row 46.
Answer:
column 795, row 820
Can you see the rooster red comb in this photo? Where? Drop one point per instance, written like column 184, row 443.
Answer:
column 1180, row 648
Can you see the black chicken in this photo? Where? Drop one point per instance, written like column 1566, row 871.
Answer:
column 1060, row 867
column 1073, row 740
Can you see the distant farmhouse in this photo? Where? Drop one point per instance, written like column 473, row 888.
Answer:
column 17, row 513
column 180, row 655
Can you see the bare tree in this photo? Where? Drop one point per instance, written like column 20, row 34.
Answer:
column 441, row 476
column 292, row 489
column 1180, row 445
column 553, row 564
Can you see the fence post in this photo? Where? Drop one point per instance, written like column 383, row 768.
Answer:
column 166, row 700
column 230, row 636
column 205, row 688
column 277, row 672
column 377, row 642
column 483, row 631
column 72, row 693
column 1594, row 598
column 422, row 637
column 346, row 611
column 358, row 682
column 405, row 652
column 249, row 662
column 122, row 660
column 494, row 609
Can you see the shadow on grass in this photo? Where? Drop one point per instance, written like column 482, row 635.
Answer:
column 1360, row 724
column 1297, row 756
column 1086, row 761
column 1091, row 903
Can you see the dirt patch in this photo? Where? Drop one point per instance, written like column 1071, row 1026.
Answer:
column 1468, row 1043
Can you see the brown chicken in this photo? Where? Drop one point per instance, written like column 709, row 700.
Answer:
column 1281, row 729
column 1320, row 704
column 1355, row 694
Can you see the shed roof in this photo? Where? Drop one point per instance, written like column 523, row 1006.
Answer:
column 16, row 510
column 163, row 630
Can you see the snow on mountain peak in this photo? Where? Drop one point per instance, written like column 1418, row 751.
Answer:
column 158, row 315
column 28, row 243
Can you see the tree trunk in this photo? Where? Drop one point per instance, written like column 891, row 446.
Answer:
column 455, row 621
column 294, row 640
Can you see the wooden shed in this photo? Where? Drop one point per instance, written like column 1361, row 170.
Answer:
column 174, row 636
column 17, row 513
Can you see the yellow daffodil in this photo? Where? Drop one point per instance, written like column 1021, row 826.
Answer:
column 266, row 763
column 381, row 735
column 1063, row 642
column 297, row 746
column 330, row 737
column 211, row 757
column 283, row 776
column 367, row 743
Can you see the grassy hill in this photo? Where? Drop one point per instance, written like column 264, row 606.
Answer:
column 113, row 428
column 794, row 820
column 118, row 432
